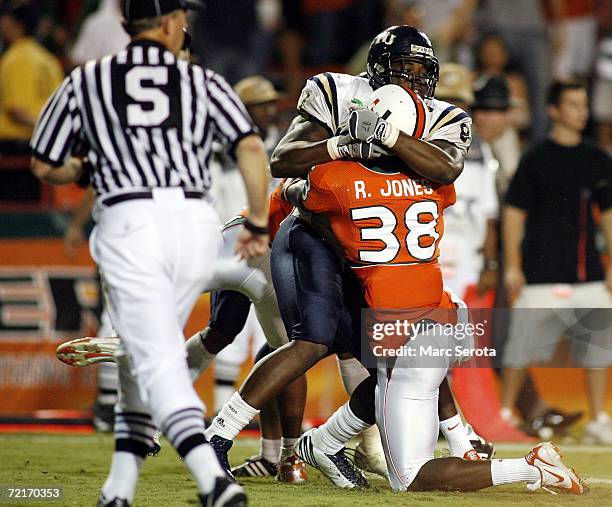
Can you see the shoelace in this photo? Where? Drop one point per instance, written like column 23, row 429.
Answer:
column 221, row 447
column 347, row 468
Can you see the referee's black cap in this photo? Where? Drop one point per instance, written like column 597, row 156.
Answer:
column 134, row 10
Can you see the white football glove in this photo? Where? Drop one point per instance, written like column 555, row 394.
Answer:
column 344, row 146
column 365, row 125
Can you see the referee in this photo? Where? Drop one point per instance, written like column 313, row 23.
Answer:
column 148, row 121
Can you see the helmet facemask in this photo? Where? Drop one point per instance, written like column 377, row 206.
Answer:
column 397, row 69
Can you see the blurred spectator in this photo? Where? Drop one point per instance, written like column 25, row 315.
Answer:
column 493, row 59
column 101, row 34
column 28, row 76
column 522, row 24
column 552, row 264
column 602, row 93
column 473, row 263
column 323, row 33
column 575, row 30
column 227, row 37
column 449, row 24
column 397, row 12
column 261, row 100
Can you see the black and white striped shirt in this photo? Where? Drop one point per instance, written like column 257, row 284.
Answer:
column 144, row 118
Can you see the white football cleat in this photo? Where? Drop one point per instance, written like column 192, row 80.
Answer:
column 374, row 463
column 598, row 431
column 88, row 350
column 338, row 468
column 369, row 453
column 553, row 472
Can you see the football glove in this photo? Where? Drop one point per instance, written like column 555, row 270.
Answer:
column 365, row 125
column 344, row 146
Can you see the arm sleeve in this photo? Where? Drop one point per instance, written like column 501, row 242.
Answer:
column 319, row 101
column 230, row 118
column 520, row 192
column 453, row 125
column 58, row 126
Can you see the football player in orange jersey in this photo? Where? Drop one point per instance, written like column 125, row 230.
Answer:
column 388, row 225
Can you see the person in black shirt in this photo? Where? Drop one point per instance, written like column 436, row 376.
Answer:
column 552, row 262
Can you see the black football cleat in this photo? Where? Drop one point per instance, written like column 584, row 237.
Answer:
column 225, row 494
column 115, row 502
column 221, row 447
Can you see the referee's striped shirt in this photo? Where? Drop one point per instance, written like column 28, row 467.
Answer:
column 145, row 120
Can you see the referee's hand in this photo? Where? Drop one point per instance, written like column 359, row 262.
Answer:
column 251, row 245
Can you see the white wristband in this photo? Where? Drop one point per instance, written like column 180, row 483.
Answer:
column 391, row 135
column 332, row 148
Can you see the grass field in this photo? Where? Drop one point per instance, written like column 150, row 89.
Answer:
column 79, row 463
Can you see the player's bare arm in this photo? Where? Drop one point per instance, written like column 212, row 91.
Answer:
column 306, row 144
column 67, row 173
column 439, row 161
column 252, row 162
column 303, row 146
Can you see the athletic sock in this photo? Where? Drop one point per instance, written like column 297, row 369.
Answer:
column 108, row 383
column 352, row 372
column 288, row 447
column 123, row 476
column 234, row 416
column 204, row 466
column 226, row 374
column 270, row 449
column 106, row 396
column 507, row 471
column 455, row 433
column 224, row 389
column 338, row 430
column 198, row 357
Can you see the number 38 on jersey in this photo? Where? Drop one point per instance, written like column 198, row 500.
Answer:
column 379, row 217
column 385, row 237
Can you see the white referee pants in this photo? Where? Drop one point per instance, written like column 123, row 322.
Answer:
column 156, row 256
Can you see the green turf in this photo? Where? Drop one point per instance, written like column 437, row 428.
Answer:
column 80, row 463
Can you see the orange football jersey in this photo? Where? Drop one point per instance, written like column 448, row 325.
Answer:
column 389, row 226
column 278, row 209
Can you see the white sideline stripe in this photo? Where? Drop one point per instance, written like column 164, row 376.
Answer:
column 587, row 449
column 526, row 447
column 598, row 480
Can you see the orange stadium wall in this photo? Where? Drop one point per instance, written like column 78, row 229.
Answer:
column 46, row 298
